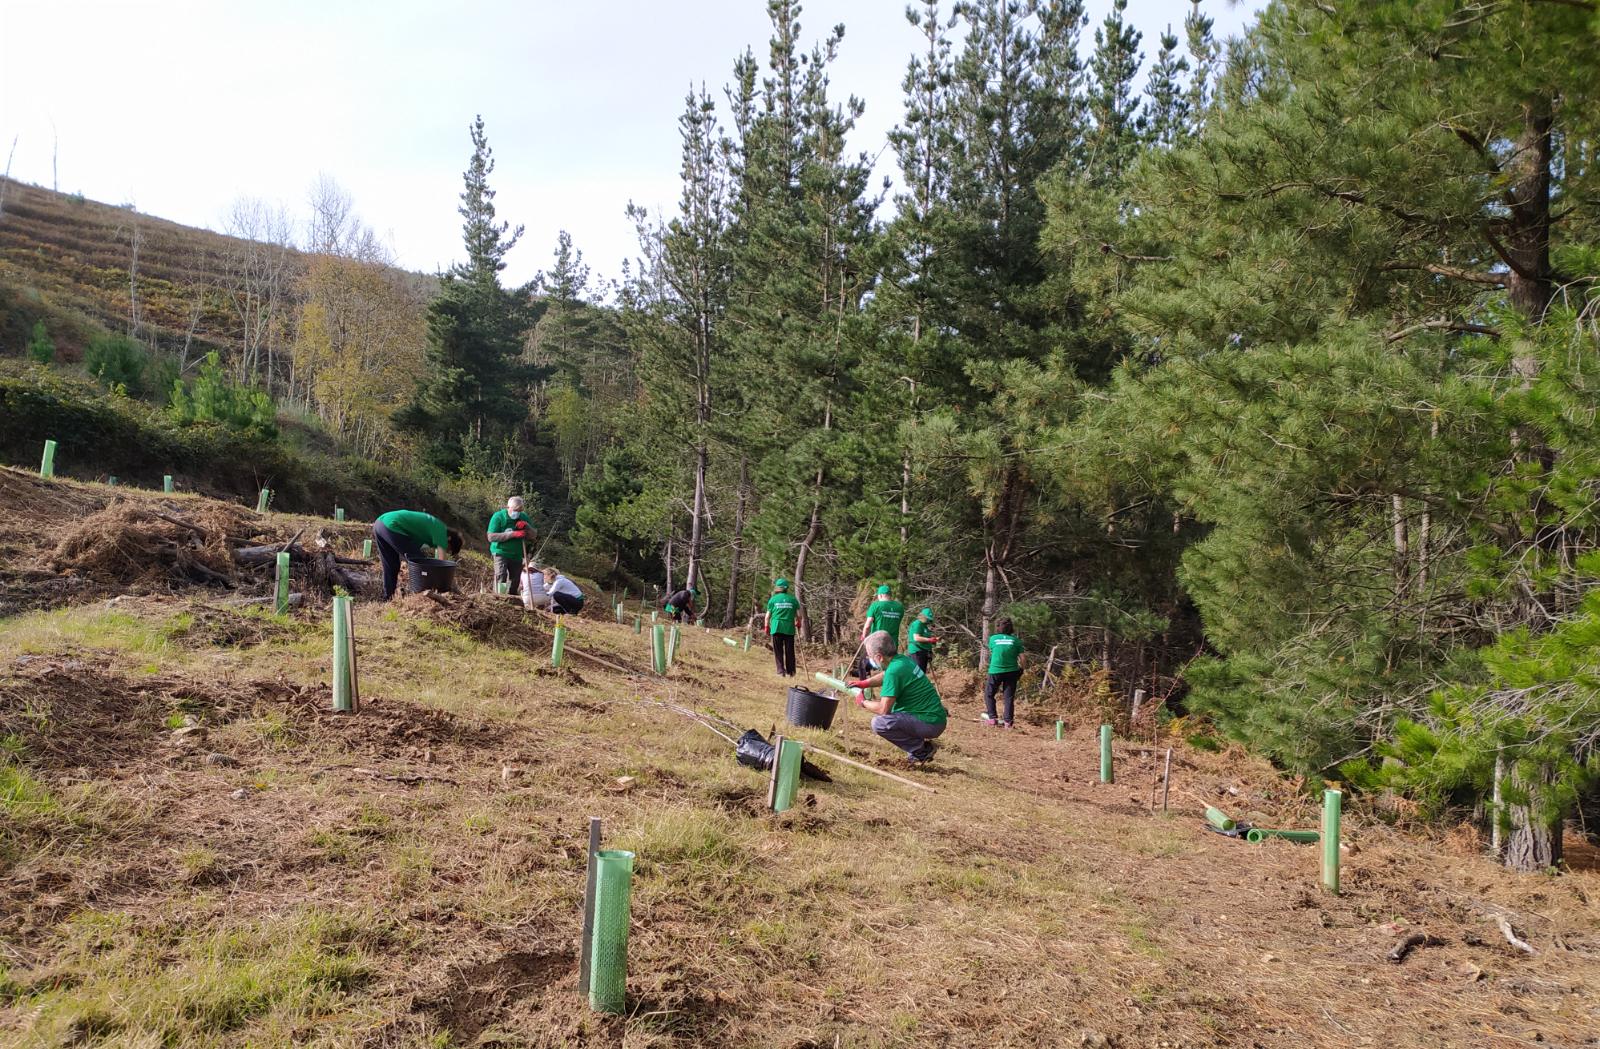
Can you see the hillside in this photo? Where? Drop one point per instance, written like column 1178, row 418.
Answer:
column 197, row 852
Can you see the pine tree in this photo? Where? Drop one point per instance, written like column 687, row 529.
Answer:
column 1114, row 105
column 473, row 397
column 1168, row 98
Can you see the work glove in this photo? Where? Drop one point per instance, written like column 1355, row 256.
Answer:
column 858, row 684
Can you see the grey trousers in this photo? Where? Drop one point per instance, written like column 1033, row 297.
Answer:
column 908, row 733
column 508, row 569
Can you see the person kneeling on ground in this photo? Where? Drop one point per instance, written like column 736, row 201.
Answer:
column 909, row 712
column 565, row 597
column 509, row 532
column 680, row 603
column 1005, row 668
column 410, row 534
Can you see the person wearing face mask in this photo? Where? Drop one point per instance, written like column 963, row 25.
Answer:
column 508, row 534
column 908, row 711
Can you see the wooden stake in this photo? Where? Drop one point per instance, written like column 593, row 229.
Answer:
column 1166, row 780
column 1049, row 665
column 772, row 783
column 584, row 944
column 355, row 673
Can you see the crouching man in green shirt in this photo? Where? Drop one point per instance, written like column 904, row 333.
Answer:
column 909, row 712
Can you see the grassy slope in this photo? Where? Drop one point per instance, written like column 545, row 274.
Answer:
column 1022, row 904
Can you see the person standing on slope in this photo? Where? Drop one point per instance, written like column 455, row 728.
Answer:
column 908, row 710
column 508, row 533
column 410, row 534
column 884, row 614
column 783, row 612
column 921, row 639
column 1005, row 668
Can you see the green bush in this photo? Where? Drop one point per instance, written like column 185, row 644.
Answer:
column 213, row 398
column 117, row 361
column 40, row 346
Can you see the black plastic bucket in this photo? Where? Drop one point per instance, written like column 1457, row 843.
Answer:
column 427, row 573
column 809, row 710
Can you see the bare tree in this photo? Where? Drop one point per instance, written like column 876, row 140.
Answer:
column 258, row 278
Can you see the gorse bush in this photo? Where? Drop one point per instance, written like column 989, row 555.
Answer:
column 211, row 397
column 117, row 361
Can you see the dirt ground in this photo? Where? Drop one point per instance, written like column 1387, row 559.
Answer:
column 198, row 852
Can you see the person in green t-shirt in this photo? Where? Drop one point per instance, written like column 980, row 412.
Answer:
column 409, row 534
column 1005, row 668
column 884, row 614
column 921, row 639
column 783, row 613
column 509, row 531
column 908, row 710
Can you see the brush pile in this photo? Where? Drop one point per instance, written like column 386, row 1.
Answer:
column 488, row 618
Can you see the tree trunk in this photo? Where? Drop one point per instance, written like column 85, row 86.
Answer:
column 696, row 525
column 738, row 542
column 1534, row 841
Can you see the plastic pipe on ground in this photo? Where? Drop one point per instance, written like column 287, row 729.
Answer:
column 366, row 549
column 658, row 649
column 1332, row 804
column 730, row 642
column 788, row 756
column 338, row 514
column 341, row 657
column 1219, row 819
column 1106, row 773
column 558, row 644
column 1257, row 835
column 281, row 604
column 608, row 951
column 261, row 500
column 166, row 483
column 47, row 465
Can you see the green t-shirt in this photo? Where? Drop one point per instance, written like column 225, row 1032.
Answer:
column 414, row 524
column 781, row 610
column 912, row 692
column 502, row 521
column 886, row 615
column 1003, row 652
column 923, row 627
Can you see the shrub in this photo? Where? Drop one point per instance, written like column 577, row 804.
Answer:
column 117, row 361
column 212, row 398
column 40, row 346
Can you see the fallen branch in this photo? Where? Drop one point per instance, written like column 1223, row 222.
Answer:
column 410, row 779
column 870, row 768
column 1511, row 937
column 1411, row 943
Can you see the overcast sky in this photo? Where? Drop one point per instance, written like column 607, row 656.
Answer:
column 181, row 106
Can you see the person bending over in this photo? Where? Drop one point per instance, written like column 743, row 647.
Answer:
column 410, row 534
column 1005, row 668
column 783, row 609
column 509, row 532
column 681, row 603
column 922, row 639
column 908, row 710
column 565, row 597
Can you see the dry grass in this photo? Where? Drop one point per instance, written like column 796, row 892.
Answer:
column 411, row 876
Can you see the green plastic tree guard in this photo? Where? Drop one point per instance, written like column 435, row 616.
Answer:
column 1332, row 804
column 502, row 586
column 618, row 608
column 788, row 757
column 832, row 682
column 652, row 617
column 366, row 549
column 112, row 480
column 608, row 951
column 338, row 514
column 730, row 642
column 47, row 465
column 281, row 604
column 672, row 646
column 1219, row 819
column 746, row 643
column 1059, row 726
column 638, row 624
column 558, row 644
column 658, row 648
column 342, row 695
column 166, row 483
column 1257, row 835
column 261, row 500
column 1106, row 774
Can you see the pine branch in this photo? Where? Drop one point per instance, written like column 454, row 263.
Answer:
column 1453, row 272
column 1443, row 324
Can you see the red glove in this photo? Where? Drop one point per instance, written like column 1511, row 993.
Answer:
column 858, row 684
column 861, row 700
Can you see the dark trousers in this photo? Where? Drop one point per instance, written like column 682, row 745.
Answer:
column 391, row 548
column 922, row 659
column 783, row 653
column 1007, row 684
column 565, row 604
column 508, row 570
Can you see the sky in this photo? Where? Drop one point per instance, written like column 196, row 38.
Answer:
column 183, row 106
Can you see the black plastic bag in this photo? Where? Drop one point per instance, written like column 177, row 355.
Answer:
column 753, row 751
